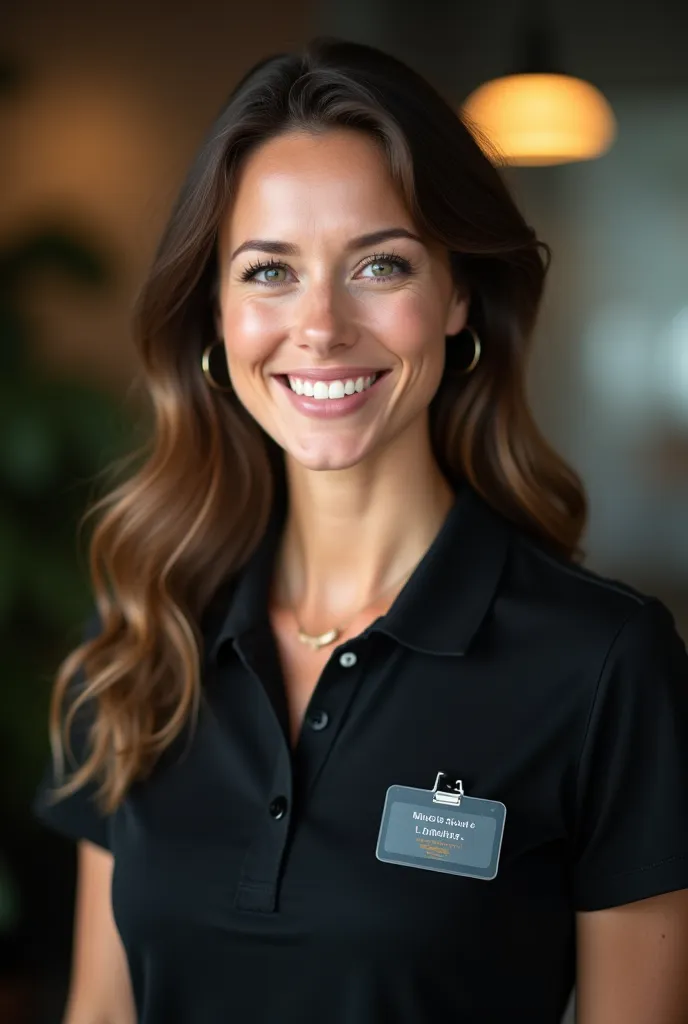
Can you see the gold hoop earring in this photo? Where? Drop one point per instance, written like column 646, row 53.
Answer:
column 477, row 351
column 452, row 359
column 208, row 355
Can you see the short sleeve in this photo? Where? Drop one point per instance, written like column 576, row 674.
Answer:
column 631, row 837
column 77, row 815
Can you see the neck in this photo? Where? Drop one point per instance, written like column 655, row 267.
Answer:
column 351, row 535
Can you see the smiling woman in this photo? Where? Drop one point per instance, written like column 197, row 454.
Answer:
column 345, row 567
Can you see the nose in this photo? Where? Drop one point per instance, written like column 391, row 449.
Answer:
column 322, row 322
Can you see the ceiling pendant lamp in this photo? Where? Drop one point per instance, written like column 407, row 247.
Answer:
column 539, row 116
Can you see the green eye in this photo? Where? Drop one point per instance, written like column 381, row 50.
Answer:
column 272, row 272
column 382, row 269
column 383, row 266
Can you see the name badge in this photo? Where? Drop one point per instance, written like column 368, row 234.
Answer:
column 441, row 829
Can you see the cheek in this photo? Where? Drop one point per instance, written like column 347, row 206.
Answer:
column 249, row 333
column 411, row 327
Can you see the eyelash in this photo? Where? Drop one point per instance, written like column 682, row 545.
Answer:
column 379, row 257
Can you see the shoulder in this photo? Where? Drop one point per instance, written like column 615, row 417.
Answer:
column 561, row 576
column 569, row 603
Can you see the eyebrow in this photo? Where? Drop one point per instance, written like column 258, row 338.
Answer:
column 289, row 249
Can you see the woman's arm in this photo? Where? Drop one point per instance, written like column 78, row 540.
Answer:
column 633, row 962
column 100, row 989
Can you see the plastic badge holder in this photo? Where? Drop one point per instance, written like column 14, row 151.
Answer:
column 441, row 829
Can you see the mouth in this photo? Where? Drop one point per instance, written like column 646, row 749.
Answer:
column 337, row 389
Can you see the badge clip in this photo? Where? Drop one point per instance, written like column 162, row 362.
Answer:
column 447, row 790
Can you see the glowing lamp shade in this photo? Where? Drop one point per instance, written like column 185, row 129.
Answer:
column 537, row 119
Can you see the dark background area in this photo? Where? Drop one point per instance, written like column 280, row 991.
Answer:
column 101, row 109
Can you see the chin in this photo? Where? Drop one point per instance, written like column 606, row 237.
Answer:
column 323, row 457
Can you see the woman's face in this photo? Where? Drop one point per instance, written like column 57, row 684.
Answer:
column 332, row 309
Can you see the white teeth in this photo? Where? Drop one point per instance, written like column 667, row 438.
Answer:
column 321, row 389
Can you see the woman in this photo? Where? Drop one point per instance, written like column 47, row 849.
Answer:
column 356, row 740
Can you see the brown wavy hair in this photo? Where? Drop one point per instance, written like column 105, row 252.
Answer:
column 198, row 498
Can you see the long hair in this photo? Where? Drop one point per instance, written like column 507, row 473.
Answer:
column 198, row 500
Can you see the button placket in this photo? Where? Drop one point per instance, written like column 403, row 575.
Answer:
column 257, row 890
column 318, row 719
column 340, row 681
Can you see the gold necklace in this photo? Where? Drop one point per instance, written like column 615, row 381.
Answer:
column 331, row 635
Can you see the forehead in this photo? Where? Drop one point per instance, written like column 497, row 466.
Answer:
column 336, row 181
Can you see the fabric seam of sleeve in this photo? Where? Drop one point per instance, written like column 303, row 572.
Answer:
column 593, row 703
column 676, row 858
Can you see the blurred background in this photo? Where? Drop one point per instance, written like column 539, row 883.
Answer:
column 102, row 108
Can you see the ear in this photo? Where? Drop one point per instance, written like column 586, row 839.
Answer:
column 457, row 313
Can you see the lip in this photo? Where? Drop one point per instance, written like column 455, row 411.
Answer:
column 328, row 408
column 332, row 372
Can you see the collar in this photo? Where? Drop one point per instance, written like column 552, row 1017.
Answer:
column 438, row 611
column 443, row 604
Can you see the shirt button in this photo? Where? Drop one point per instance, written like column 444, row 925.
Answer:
column 348, row 659
column 278, row 807
column 318, row 720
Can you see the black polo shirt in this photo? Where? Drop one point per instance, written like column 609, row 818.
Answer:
column 246, row 885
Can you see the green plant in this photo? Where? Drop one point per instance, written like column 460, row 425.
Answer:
column 56, row 434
